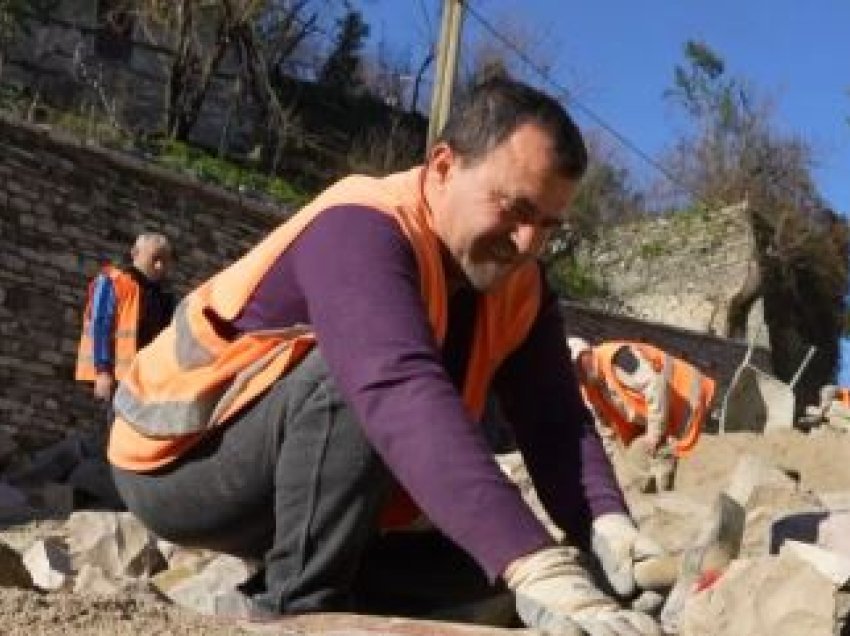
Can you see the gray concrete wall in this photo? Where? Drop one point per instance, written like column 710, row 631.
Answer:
column 680, row 270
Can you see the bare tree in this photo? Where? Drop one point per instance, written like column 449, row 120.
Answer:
column 12, row 25
column 259, row 34
column 506, row 45
column 342, row 68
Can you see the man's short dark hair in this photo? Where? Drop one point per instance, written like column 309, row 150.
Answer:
column 494, row 109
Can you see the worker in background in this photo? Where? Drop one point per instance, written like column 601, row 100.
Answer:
column 125, row 310
column 328, row 387
column 833, row 409
column 650, row 405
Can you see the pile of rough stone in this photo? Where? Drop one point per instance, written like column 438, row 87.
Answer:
column 790, row 573
column 51, row 544
column 789, row 576
column 62, row 532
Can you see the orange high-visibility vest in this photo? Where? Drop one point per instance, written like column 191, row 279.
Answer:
column 689, row 395
column 843, row 396
column 190, row 379
column 124, row 329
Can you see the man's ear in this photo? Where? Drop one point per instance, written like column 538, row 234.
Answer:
column 441, row 158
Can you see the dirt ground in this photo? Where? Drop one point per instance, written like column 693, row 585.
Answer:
column 820, row 459
column 26, row 613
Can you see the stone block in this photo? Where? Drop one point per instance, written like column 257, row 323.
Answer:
column 765, row 490
column 91, row 580
column 764, row 596
column 13, row 572
column 830, row 564
column 49, row 564
column 827, row 527
column 199, row 591
column 117, row 543
column 673, row 520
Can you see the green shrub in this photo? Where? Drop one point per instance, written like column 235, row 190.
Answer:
column 654, row 249
column 182, row 157
column 571, row 279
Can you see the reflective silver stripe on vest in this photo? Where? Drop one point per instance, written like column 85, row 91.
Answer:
column 176, row 418
column 164, row 419
column 189, row 353
column 119, row 333
column 243, row 377
column 118, row 362
column 694, row 394
column 667, row 370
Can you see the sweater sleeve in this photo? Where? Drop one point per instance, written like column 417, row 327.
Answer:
column 554, row 430
column 359, row 278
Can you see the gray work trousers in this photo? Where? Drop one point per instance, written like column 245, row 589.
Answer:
column 293, row 481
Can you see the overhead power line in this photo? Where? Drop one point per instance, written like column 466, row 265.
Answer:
column 590, row 113
column 567, row 94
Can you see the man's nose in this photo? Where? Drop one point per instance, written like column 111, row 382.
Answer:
column 528, row 238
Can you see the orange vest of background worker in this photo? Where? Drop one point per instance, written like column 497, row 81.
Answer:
column 191, row 379
column 125, row 326
column 638, row 389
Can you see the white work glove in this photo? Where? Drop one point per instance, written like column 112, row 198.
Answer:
column 554, row 594
column 618, row 545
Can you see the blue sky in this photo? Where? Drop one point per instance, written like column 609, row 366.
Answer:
column 618, row 57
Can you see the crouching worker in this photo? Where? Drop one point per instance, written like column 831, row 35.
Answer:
column 346, row 359
column 650, row 406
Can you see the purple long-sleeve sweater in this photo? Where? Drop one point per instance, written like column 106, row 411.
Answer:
column 352, row 275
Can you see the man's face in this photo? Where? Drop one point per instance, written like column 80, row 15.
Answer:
column 152, row 259
column 498, row 213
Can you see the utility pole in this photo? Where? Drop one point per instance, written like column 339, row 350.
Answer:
column 444, row 74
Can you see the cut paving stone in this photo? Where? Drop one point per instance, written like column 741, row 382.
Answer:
column 92, row 580
column 195, row 559
column 13, row 572
column 49, row 564
column 826, row 527
column 117, row 543
column 670, row 519
column 764, row 596
column 832, row 565
column 198, row 590
column 765, row 490
column 752, row 475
